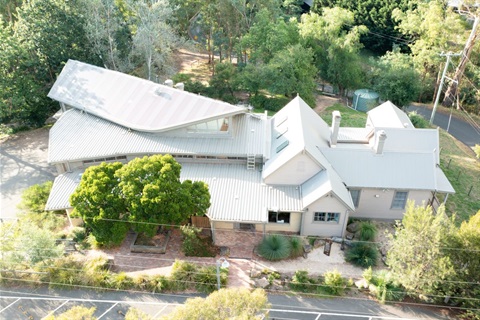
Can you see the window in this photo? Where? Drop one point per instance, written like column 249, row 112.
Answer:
column 399, row 200
column 332, row 217
column 282, row 132
column 355, row 197
column 282, row 146
column 278, row 217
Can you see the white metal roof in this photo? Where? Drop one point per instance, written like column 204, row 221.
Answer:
column 133, row 102
column 354, row 135
column 393, row 170
column 323, row 183
column 237, row 194
column 80, row 136
column 63, row 186
column 298, row 124
column 387, row 115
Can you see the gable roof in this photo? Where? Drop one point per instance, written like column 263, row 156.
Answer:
column 298, row 126
column 387, row 115
column 132, row 102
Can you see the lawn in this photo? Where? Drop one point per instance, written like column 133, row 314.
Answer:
column 456, row 160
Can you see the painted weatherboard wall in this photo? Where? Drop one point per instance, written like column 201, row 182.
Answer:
column 293, row 226
column 326, row 229
column 373, row 207
column 294, row 172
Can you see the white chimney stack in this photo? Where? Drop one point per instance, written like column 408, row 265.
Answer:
column 380, row 138
column 168, row 83
column 180, row 86
column 336, row 118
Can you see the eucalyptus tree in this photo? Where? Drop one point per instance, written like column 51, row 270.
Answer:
column 336, row 46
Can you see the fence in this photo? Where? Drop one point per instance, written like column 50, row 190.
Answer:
column 200, row 222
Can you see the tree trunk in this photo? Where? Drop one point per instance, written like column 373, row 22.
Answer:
column 452, row 89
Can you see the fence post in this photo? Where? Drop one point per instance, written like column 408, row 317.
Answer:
column 471, row 187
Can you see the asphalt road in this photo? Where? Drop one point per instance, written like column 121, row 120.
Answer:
column 459, row 128
column 24, row 303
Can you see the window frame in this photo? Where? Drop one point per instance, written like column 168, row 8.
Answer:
column 394, row 200
column 326, row 217
column 276, row 217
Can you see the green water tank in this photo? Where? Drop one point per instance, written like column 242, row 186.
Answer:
column 365, row 100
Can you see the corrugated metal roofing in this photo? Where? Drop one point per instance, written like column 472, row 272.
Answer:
column 354, row 135
column 324, row 182
column 63, row 186
column 387, row 115
column 132, row 102
column 363, row 168
column 237, row 194
column 80, row 136
column 302, row 127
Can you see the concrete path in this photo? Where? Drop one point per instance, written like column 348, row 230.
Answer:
column 239, row 273
column 23, row 163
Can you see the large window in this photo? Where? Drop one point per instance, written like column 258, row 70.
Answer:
column 278, row 217
column 355, row 197
column 332, row 217
column 399, row 200
column 210, row 127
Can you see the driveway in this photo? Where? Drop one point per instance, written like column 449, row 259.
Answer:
column 23, row 163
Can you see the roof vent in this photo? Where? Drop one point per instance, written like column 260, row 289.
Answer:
column 168, row 83
column 180, row 86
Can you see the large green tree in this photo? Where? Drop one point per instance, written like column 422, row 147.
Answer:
column 394, row 77
column 418, row 257
column 336, row 46
column 376, row 15
column 154, row 194
column 98, row 201
column 224, row 304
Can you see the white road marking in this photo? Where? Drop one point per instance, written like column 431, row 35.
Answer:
column 52, row 312
column 107, row 311
column 11, row 304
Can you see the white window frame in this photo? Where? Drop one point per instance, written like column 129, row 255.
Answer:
column 326, row 217
column 396, row 205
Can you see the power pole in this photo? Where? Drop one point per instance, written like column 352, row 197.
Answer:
column 452, row 89
column 439, row 91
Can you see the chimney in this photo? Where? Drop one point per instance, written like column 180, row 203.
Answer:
column 336, row 117
column 180, row 86
column 168, row 83
column 380, row 141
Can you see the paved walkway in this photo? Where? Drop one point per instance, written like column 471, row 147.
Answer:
column 151, row 263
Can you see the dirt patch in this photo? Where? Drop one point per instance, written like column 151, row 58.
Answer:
column 323, row 102
column 194, row 64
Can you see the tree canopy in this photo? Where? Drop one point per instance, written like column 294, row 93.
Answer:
column 224, row 304
column 144, row 193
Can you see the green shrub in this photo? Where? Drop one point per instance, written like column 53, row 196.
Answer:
column 297, row 247
column 362, row 254
column 196, row 245
column 206, row 279
column 368, row 231
column 418, row 120
column 182, row 77
column 385, row 287
column 136, row 314
column 275, row 247
column 183, row 275
column 334, row 282
column 302, row 282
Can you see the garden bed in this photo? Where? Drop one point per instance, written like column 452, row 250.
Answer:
column 157, row 244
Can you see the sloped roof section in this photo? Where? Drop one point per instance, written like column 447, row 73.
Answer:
column 63, row 186
column 132, row 102
column 237, row 194
column 82, row 136
column 323, row 183
column 387, row 115
column 300, row 128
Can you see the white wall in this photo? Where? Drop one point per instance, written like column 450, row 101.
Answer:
column 327, row 229
column 294, row 172
column 373, row 207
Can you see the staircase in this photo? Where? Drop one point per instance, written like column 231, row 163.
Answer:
column 250, row 162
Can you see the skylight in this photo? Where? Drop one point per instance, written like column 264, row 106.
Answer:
column 282, row 146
